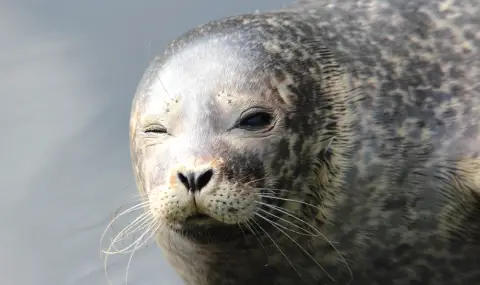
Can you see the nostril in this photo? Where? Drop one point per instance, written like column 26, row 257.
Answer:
column 203, row 179
column 185, row 181
column 195, row 181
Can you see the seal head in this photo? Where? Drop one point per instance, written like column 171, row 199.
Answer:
column 219, row 134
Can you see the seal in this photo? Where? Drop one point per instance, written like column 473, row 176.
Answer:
column 328, row 142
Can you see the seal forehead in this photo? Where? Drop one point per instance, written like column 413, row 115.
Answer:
column 208, row 63
column 203, row 68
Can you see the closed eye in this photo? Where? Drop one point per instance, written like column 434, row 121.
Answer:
column 155, row 130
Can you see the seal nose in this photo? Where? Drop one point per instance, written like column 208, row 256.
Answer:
column 195, row 180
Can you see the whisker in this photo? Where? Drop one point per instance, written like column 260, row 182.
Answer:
column 148, row 221
column 145, row 240
column 241, row 229
column 275, row 189
column 156, row 228
column 120, row 236
column 129, row 210
column 255, row 180
column 287, row 221
column 315, row 230
column 117, row 237
column 278, row 247
column 299, row 246
column 257, row 235
column 137, row 246
column 141, row 224
column 290, row 200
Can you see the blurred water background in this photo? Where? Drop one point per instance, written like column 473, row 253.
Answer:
column 68, row 71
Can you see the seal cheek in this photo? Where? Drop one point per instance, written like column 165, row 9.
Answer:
column 229, row 203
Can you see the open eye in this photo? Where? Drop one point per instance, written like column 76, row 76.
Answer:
column 155, row 129
column 255, row 121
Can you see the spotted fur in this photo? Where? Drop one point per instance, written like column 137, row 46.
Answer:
column 376, row 108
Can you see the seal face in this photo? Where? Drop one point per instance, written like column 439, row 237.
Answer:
column 221, row 124
column 319, row 144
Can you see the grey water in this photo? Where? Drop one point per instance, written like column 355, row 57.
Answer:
column 68, row 71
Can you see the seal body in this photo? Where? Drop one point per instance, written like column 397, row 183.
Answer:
column 330, row 142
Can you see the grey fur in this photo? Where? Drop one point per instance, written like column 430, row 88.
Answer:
column 376, row 131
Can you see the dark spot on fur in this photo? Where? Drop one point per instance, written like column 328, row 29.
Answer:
column 282, row 155
column 420, row 124
column 397, row 204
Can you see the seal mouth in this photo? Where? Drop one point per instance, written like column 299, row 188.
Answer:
column 200, row 219
column 202, row 228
